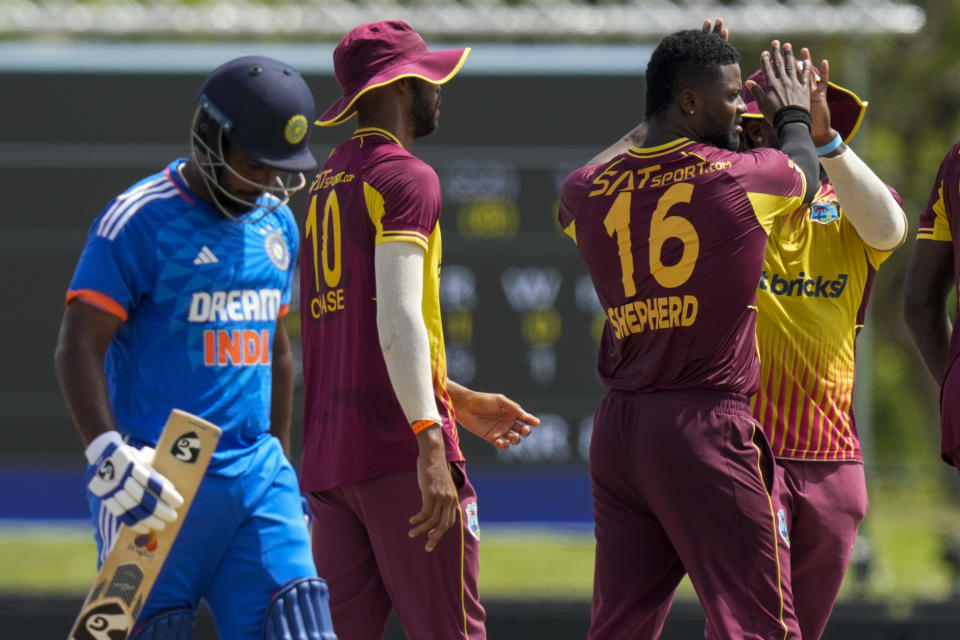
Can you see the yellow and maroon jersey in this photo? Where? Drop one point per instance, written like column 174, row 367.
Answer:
column 673, row 237
column 816, row 280
column 369, row 191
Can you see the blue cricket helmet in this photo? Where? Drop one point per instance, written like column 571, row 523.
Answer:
column 265, row 108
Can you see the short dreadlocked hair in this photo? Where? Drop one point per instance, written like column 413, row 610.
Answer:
column 682, row 60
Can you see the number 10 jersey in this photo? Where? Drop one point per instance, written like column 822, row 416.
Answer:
column 370, row 190
column 673, row 237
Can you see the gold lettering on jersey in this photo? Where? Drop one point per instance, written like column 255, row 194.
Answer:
column 329, row 302
column 614, row 181
column 652, row 314
column 324, row 179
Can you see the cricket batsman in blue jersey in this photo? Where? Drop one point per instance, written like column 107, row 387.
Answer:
column 178, row 302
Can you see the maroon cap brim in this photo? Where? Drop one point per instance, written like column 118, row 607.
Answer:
column 437, row 67
column 846, row 110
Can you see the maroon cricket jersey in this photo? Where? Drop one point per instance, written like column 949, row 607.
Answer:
column 940, row 222
column 369, row 191
column 673, row 237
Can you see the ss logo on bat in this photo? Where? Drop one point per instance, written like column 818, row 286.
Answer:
column 106, row 622
column 187, row 448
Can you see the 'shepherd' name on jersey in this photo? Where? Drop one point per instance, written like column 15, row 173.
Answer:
column 653, row 314
column 237, row 305
column 803, row 286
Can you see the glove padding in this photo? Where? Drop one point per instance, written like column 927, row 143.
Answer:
column 131, row 490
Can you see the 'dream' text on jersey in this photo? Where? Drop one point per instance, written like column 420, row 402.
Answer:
column 237, row 347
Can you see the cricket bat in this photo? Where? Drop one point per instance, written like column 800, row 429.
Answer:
column 116, row 599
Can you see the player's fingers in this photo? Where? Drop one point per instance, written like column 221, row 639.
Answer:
column 145, row 455
column 527, row 418
column 170, row 495
column 139, row 513
column 766, row 64
column 447, row 518
column 126, row 501
column 421, row 515
column 152, row 522
column 789, row 61
column 805, row 69
column 756, row 92
column 164, row 489
column 165, row 512
column 427, row 518
column 824, row 74
column 776, row 58
column 139, row 527
column 512, row 437
column 427, row 525
column 114, row 507
column 157, row 484
column 501, row 444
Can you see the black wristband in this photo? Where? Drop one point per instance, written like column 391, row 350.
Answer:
column 790, row 114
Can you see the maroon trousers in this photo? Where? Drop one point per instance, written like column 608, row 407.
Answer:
column 361, row 548
column 824, row 503
column 682, row 483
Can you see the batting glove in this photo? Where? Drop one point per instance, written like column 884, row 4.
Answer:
column 131, row 490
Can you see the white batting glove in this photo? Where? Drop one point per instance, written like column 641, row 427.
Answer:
column 131, row 490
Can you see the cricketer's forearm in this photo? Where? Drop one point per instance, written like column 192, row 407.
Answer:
column 281, row 395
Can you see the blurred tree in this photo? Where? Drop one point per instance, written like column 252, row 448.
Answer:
column 913, row 86
column 914, row 117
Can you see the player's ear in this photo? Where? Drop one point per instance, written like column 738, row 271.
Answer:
column 688, row 102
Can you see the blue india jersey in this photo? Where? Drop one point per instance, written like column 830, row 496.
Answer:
column 199, row 296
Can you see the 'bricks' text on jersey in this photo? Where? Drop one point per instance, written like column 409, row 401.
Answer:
column 804, row 285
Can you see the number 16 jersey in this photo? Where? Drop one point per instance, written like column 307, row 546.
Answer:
column 673, row 237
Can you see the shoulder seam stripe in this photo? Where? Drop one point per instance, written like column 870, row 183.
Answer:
column 128, row 199
column 133, row 207
column 123, row 197
column 118, row 213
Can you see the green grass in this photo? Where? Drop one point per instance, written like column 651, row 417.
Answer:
column 906, row 527
column 540, row 564
column 525, row 563
column 46, row 561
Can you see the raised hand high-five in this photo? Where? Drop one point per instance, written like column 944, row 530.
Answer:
column 787, row 80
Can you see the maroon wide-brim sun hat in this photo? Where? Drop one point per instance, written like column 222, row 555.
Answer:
column 376, row 54
column 846, row 109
